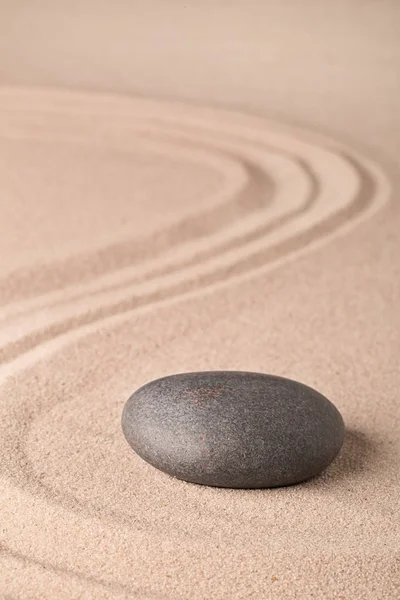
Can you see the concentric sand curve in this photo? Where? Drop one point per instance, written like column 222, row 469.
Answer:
column 283, row 192
column 316, row 190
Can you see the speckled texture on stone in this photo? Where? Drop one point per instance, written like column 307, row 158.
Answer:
column 233, row 429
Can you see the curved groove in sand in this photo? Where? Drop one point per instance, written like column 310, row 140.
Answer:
column 321, row 190
column 62, row 312
column 258, row 196
column 216, row 248
column 363, row 199
column 317, row 189
column 239, row 144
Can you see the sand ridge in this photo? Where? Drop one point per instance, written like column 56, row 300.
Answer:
column 66, row 471
column 182, row 221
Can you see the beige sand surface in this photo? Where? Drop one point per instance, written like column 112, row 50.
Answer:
column 189, row 186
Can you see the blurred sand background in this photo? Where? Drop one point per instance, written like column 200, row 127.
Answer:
column 190, row 186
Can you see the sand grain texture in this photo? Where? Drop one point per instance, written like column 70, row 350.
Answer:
column 188, row 223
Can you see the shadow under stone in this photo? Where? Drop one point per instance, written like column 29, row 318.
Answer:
column 359, row 454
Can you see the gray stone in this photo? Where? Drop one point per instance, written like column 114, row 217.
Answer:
column 233, row 429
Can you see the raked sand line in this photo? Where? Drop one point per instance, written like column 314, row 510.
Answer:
column 292, row 196
column 47, row 348
column 229, row 137
column 346, row 189
column 200, row 136
column 368, row 191
column 48, row 516
column 227, row 204
column 57, row 321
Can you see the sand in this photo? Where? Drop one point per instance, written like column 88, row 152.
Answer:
column 195, row 186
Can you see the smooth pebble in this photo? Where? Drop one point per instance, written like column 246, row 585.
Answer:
column 233, row 429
